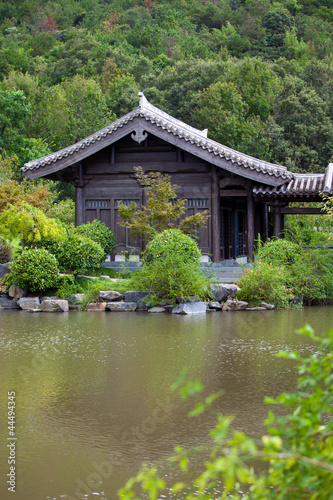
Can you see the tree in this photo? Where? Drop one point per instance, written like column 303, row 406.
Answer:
column 304, row 118
column 162, row 210
column 298, row 446
column 30, row 224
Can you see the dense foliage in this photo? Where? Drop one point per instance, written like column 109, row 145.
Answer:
column 6, row 253
column 285, row 272
column 30, row 224
column 171, row 267
column 98, row 232
column 257, row 74
column 35, row 270
column 297, row 445
column 79, row 254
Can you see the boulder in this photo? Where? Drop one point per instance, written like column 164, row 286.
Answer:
column 96, row 306
column 157, row 310
column 121, row 306
column 29, row 302
column 110, row 296
column 7, row 303
column 4, row 269
column 221, row 292
column 267, row 306
column 215, row 305
column 77, row 298
column 141, row 298
column 16, row 292
column 54, row 305
column 190, row 308
column 234, row 305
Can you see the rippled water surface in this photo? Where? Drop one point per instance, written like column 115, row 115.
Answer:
column 92, row 389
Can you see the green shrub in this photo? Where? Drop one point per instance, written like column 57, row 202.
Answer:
column 63, row 211
column 279, row 252
column 171, row 267
column 172, row 242
column 79, row 254
column 98, row 232
column 265, row 282
column 35, row 270
column 6, row 253
column 312, row 275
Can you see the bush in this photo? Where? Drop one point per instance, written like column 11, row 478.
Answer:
column 6, row 253
column 63, row 211
column 172, row 267
column 279, row 252
column 35, row 270
column 79, row 254
column 312, row 275
column 98, row 232
column 172, row 242
column 265, row 282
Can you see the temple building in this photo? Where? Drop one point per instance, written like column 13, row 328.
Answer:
column 245, row 196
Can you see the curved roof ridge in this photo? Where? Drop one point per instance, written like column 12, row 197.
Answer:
column 173, row 126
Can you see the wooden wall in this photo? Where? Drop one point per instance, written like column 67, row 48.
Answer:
column 109, row 178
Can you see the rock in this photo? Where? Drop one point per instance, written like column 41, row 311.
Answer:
column 296, row 301
column 267, row 306
column 110, row 296
column 165, row 302
column 34, row 310
column 234, row 305
column 189, row 300
column 257, row 308
column 190, row 308
column 141, row 298
column 222, row 291
column 121, row 306
column 77, row 298
column 54, row 305
column 97, row 306
column 168, row 308
column 7, row 303
column 48, row 297
column 157, row 310
column 4, row 269
column 215, row 305
column 16, row 292
column 29, row 302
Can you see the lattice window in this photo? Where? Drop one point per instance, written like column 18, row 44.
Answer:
column 98, row 204
column 197, row 202
column 126, row 202
column 194, row 202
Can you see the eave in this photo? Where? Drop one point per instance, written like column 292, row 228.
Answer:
column 149, row 119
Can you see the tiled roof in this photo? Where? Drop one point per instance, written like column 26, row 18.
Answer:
column 301, row 185
column 173, row 126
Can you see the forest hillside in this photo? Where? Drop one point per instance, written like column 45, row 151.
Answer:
column 257, row 73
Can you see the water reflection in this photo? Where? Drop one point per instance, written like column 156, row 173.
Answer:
column 92, row 389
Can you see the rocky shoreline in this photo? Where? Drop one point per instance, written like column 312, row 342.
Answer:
column 222, row 298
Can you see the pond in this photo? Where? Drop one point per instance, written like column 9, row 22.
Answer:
column 92, row 390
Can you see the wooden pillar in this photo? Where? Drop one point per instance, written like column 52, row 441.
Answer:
column 277, row 221
column 215, row 211
column 265, row 222
column 250, row 224
column 79, row 208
